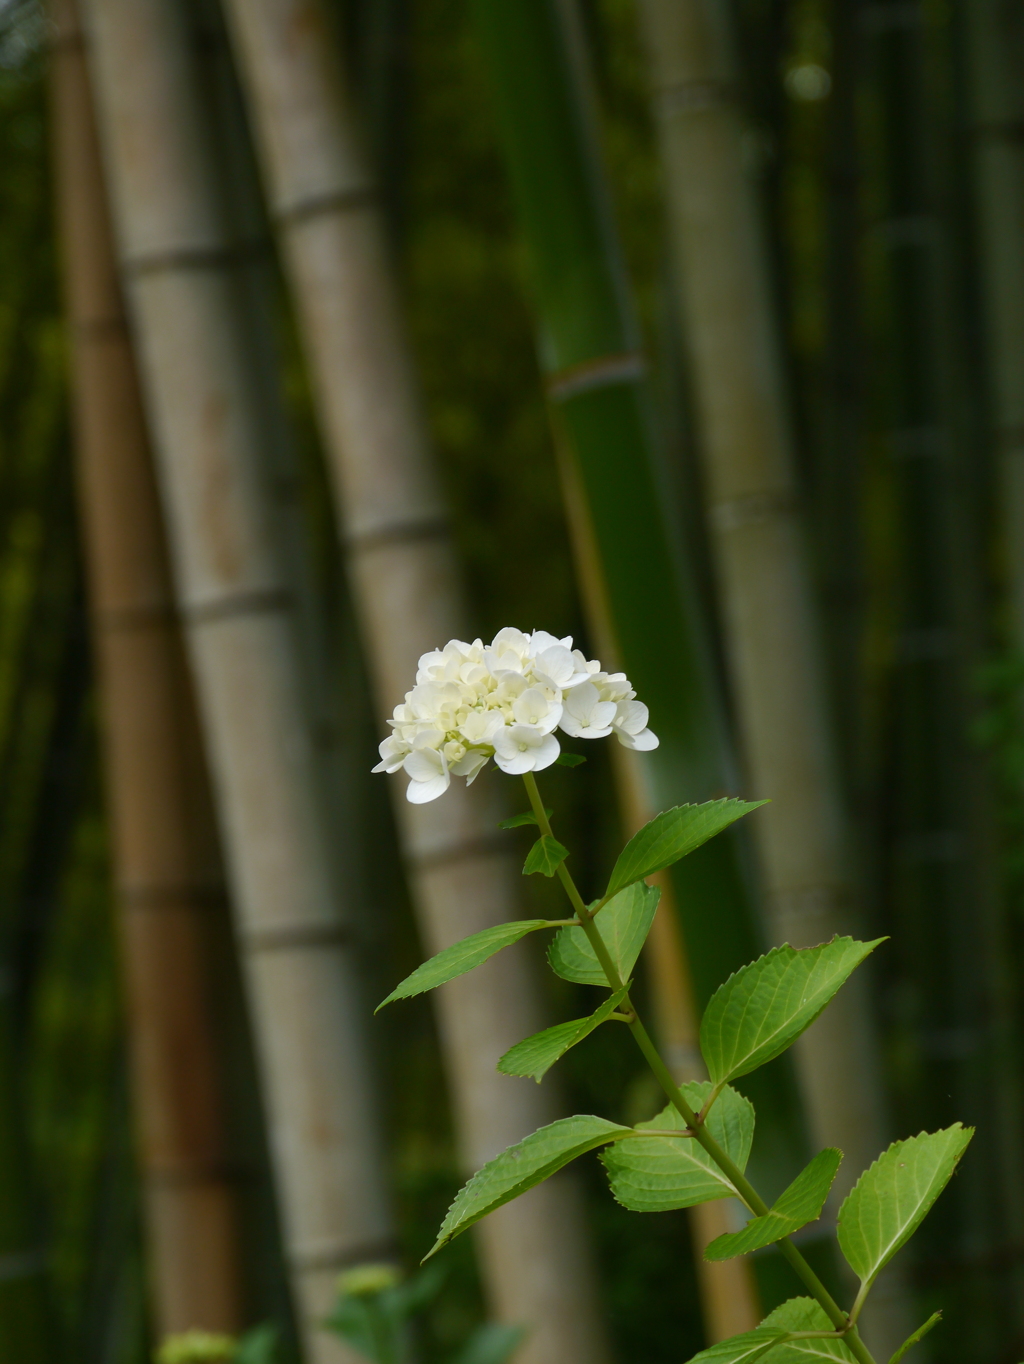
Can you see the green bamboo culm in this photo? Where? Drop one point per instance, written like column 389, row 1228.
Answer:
column 589, row 347
column 942, row 892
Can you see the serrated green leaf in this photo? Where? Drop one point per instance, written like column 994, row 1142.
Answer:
column 546, row 856
column 462, row 957
column 657, row 1172
column 773, row 1335
column 892, row 1197
column 801, row 1203
column 670, row 836
column 570, row 759
column 764, row 1007
column 624, row 924
column 537, row 1054
column 804, row 1314
column 527, row 817
column 919, row 1334
column 744, row 1349
column 522, row 1166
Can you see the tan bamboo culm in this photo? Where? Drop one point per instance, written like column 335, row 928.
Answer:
column 730, row 1302
column 404, row 581
column 762, row 568
column 165, row 851
column 295, row 923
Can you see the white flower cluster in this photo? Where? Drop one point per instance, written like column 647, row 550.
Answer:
column 504, row 700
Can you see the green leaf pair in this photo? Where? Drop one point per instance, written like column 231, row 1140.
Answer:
column 774, row 1334
column 651, row 1167
column 623, row 924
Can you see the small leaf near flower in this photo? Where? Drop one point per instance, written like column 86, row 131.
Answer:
column 672, row 835
column 537, row 1054
column 624, row 924
column 569, row 760
column 546, row 856
column 527, row 817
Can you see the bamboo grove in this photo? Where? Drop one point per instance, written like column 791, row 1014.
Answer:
column 333, row 329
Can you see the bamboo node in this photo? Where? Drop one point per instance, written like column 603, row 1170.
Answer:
column 288, row 937
column 753, row 509
column 339, row 1254
column 331, row 201
column 195, row 257
column 232, row 604
column 443, row 855
column 173, row 895
column 623, row 368
column 435, row 526
column 691, row 97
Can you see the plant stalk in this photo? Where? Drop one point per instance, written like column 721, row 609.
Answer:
column 725, row 1163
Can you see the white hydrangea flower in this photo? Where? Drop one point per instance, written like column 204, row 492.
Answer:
column 505, row 700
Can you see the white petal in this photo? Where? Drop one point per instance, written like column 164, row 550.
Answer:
column 581, row 701
column 570, row 725
column 534, row 709
column 470, row 766
column 557, row 664
column 631, row 716
column 516, row 749
column 425, row 764
column 392, row 755
column 642, row 742
column 602, row 715
column 515, row 764
column 547, row 753
column 420, row 792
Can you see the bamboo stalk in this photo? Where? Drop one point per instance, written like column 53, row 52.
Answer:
column 295, row 920
column 943, row 896
column 166, row 862
column 995, row 46
column 752, row 508
column 771, row 630
column 995, row 34
column 729, row 1297
column 633, row 569
column 730, row 1302
column 404, row 579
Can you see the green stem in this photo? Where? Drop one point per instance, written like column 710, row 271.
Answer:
column 663, row 1075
